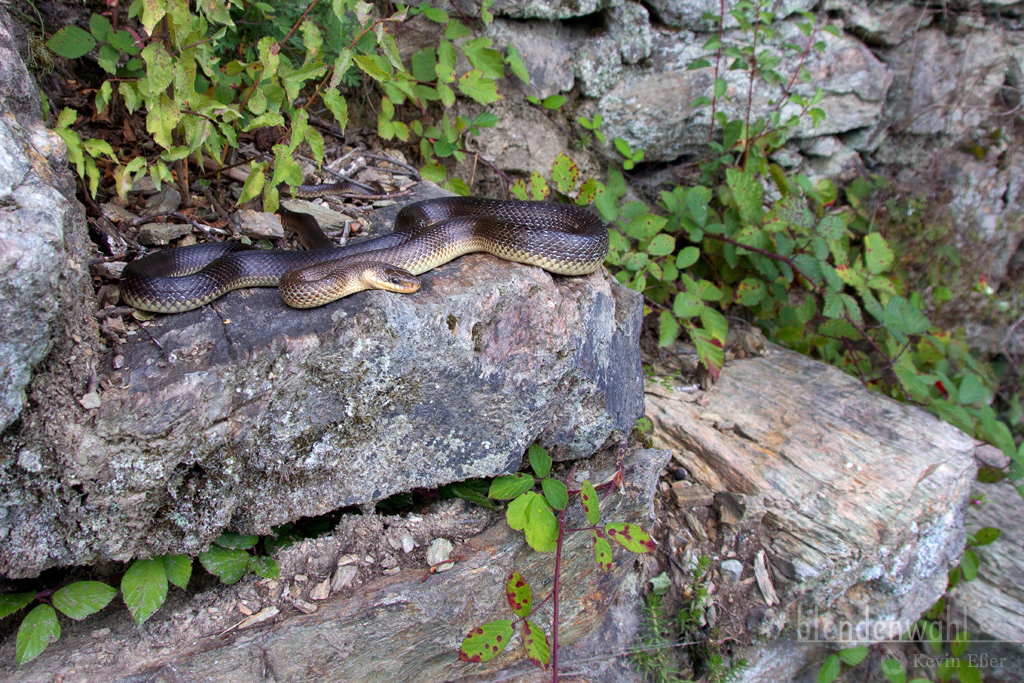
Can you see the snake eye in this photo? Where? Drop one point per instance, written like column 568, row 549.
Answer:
column 396, row 281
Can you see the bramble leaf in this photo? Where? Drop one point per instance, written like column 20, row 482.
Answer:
column 602, row 553
column 485, row 642
column 178, row 569
column 536, row 643
column 591, row 502
column 630, row 536
column 82, row 598
column 38, row 629
column 12, row 602
column 555, row 492
column 71, row 42
column 226, row 564
column 531, row 514
column 510, row 486
column 519, row 594
column 144, row 588
column 540, row 461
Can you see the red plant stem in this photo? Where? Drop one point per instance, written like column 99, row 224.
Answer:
column 556, row 589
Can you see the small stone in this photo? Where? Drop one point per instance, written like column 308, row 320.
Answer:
column 725, row 425
column 90, row 401
column 679, row 473
column 109, row 270
column 259, row 225
column 100, row 633
column 347, row 559
column 29, row 460
column 343, row 577
column 712, row 417
column 301, row 578
column 408, row 543
column 161, row 234
column 304, row 607
column 321, row 591
column 259, row 618
column 244, row 610
column 117, row 214
column 990, row 456
column 440, row 550
column 732, row 569
column 167, row 199
column 688, row 495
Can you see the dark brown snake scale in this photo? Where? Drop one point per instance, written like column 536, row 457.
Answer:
column 560, row 238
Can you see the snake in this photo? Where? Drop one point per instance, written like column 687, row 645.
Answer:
column 564, row 239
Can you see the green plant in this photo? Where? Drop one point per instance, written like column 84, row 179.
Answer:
column 659, row 638
column 143, row 587
column 534, row 513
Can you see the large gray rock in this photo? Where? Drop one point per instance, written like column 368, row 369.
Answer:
column 405, row 624
column 43, row 245
column 855, row 500
column 248, row 414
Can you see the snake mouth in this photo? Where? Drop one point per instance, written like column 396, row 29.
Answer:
column 390, row 278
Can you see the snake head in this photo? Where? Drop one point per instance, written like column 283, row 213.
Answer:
column 390, row 278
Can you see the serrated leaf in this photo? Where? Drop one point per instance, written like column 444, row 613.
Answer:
column 71, row 42
column 972, row 390
column 603, row 553
column 831, row 227
column 960, row 642
column 687, row 305
column 159, row 67
column 178, row 569
column 853, row 655
column 668, row 332
column 144, row 588
column 531, row 514
column 661, row 245
column 368, row 65
column 555, row 492
column 829, row 671
column 510, row 486
column 264, row 566
column 237, row 541
column 226, row 564
column 709, row 351
column 540, row 461
column 518, row 594
column 588, row 190
column 747, row 192
column 485, row 642
column 515, row 62
column 697, row 199
column 12, row 602
column 565, row 173
column 751, row 291
column 483, row 57
column 715, row 323
column 645, row 226
column 536, row 644
column 630, row 536
column 475, row 85
column 687, row 257
column 969, row 564
column 877, row 254
column 82, row 598
column 539, row 186
column 435, row 173
column 903, row 316
column 38, row 629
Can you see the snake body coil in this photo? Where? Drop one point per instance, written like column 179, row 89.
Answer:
column 560, row 238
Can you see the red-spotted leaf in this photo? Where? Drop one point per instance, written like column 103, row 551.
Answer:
column 565, row 173
column 631, row 536
column 519, row 190
column 536, row 643
column 588, row 191
column 539, row 187
column 602, row 552
column 520, row 597
column 484, row 642
column 591, row 503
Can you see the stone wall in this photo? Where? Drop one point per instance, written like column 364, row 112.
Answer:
column 927, row 95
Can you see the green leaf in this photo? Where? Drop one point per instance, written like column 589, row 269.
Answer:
column 99, row 26
column 483, row 57
column 668, row 331
column 687, row 305
column 540, row 461
column 144, row 588
column 371, row 68
column 960, row 642
column 82, row 598
column 831, row 227
column 602, row 553
column 972, row 390
column 853, row 655
column 518, row 594
column 565, row 173
column 645, row 226
column 456, row 30
column 697, row 199
column 159, row 67
column 478, row 87
column 435, row 173
column 264, row 566
column 877, row 254
column 969, row 564
column 715, row 323
column 747, row 192
column 632, row 537
column 515, row 62
column 554, row 101
column 511, row 486
column 590, row 501
column 903, row 316
column 687, row 257
column 12, row 602
column 555, row 492
column 751, row 291
column 829, row 671
column 536, row 644
column 532, row 514
column 254, row 183
column 38, row 629
column 709, row 350
column 661, row 245
column 71, row 42
column 226, row 564
column 485, row 642
column 178, row 569
column 986, row 536
column 894, row 671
